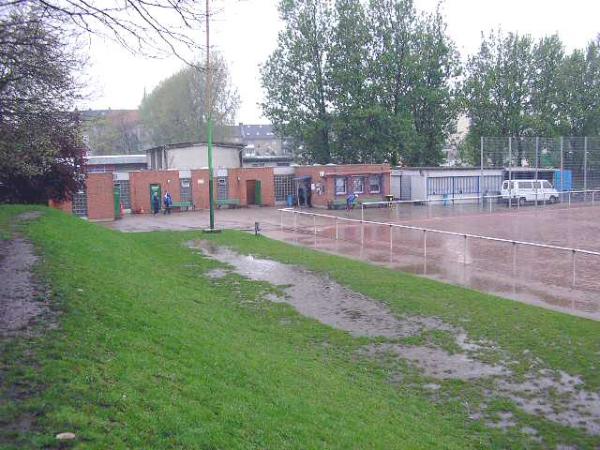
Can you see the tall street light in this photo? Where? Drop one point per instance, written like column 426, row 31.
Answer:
column 209, row 129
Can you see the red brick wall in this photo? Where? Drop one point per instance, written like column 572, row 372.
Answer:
column 239, row 177
column 140, row 187
column 328, row 181
column 65, row 206
column 100, row 196
column 237, row 185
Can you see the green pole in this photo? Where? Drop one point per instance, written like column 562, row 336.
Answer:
column 210, row 175
column 211, row 197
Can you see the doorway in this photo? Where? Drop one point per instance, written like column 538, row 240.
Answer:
column 155, row 189
column 253, row 192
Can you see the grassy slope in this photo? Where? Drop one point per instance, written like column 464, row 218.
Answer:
column 152, row 355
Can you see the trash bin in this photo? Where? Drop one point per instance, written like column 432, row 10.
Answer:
column 445, row 199
column 290, row 200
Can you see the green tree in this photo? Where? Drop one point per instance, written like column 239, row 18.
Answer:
column 115, row 132
column 579, row 95
column 433, row 99
column 295, row 79
column 372, row 82
column 175, row 111
column 41, row 152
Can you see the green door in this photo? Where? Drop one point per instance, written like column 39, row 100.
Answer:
column 155, row 189
column 258, row 193
column 117, row 192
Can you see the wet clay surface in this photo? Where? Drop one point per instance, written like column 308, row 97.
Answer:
column 553, row 395
column 320, row 298
column 23, row 301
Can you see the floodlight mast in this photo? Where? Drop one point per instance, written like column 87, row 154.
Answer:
column 209, row 129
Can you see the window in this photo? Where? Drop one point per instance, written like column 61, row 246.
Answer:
column 547, row 185
column 374, row 184
column 284, row 186
column 525, row 185
column 537, row 185
column 358, row 185
column 185, row 190
column 340, row 185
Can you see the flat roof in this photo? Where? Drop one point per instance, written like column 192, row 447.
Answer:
column 115, row 159
column 193, row 144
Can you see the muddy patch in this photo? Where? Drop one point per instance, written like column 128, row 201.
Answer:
column 437, row 363
column 555, row 396
column 318, row 297
column 217, row 274
column 23, row 301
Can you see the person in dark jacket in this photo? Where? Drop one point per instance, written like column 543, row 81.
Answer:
column 167, row 202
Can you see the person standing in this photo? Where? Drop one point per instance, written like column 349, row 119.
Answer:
column 167, row 202
column 350, row 200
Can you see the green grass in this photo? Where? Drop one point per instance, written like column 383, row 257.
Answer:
column 152, row 354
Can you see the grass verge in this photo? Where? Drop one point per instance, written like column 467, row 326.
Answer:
column 152, row 354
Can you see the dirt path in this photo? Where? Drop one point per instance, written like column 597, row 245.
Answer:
column 553, row 395
column 23, row 301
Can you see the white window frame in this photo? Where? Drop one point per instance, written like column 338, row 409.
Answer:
column 345, row 182
column 362, row 182
column 378, row 178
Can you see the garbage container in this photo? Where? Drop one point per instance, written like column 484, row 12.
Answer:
column 290, row 200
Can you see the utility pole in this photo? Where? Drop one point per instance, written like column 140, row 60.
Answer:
column 209, row 129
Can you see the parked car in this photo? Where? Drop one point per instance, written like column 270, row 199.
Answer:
column 524, row 191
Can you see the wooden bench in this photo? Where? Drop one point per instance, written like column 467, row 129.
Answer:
column 183, row 205
column 341, row 203
column 372, row 199
column 229, row 202
column 336, row 204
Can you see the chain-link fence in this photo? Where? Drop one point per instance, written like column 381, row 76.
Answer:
column 569, row 163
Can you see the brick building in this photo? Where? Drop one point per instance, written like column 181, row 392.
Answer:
column 321, row 186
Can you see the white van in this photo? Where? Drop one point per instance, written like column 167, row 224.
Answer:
column 523, row 191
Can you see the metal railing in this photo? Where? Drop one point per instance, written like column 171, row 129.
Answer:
column 567, row 197
column 466, row 237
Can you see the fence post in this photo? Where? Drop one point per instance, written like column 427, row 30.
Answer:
column 562, row 164
column 537, row 166
column 585, row 148
column 315, row 223
column 281, row 220
column 465, row 251
column 424, row 251
column 514, row 262
column 337, row 236
column 362, row 231
column 573, row 266
column 569, row 199
column 510, row 173
column 295, row 222
column 391, row 237
column 481, row 183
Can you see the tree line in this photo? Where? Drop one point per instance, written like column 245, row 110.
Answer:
column 372, row 81
column 42, row 64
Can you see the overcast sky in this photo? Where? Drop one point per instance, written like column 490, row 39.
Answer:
column 245, row 33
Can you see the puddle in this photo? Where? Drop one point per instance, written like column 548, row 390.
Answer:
column 318, row 297
column 217, row 273
column 437, row 363
column 555, row 396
